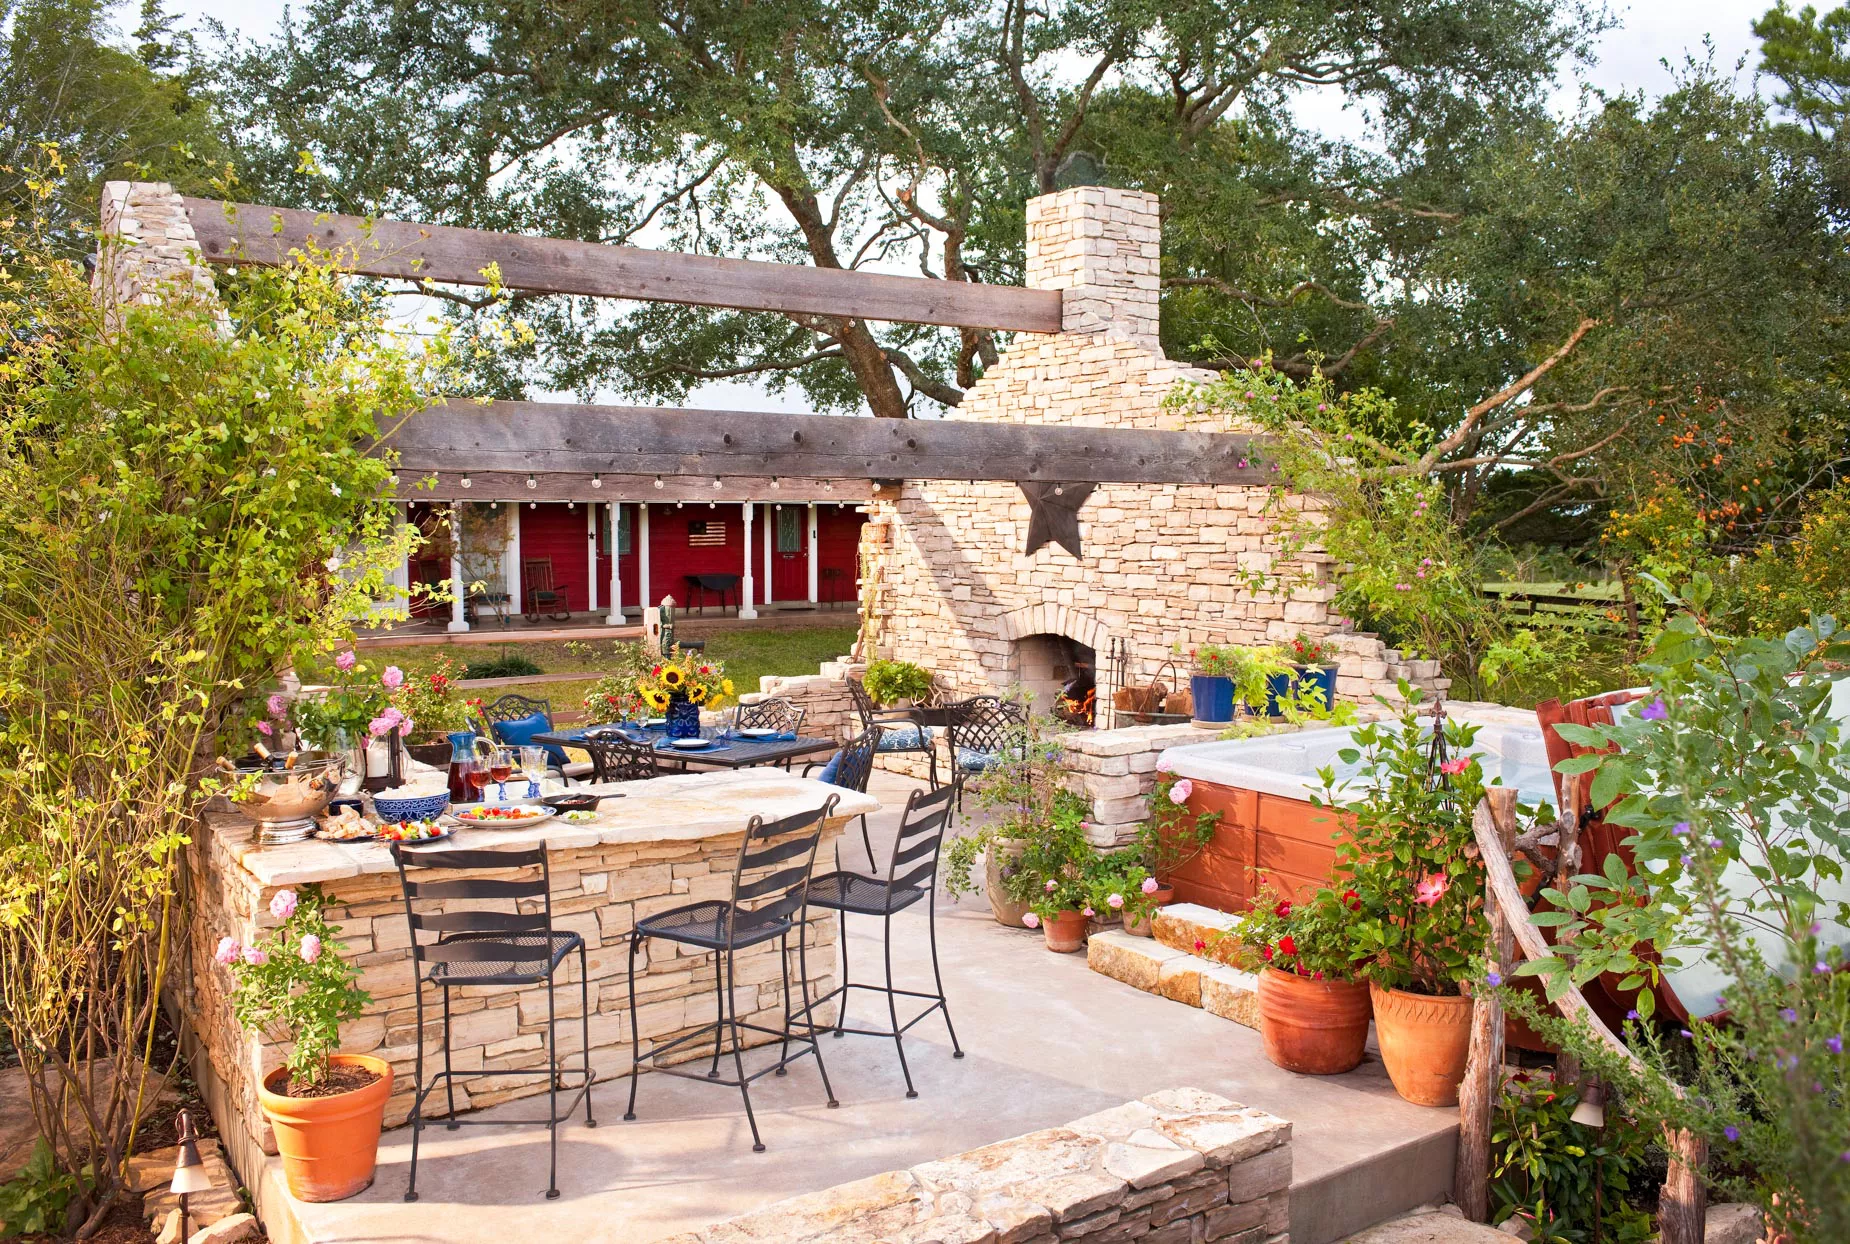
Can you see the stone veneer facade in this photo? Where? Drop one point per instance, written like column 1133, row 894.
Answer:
column 1177, row 1167
column 1165, row 565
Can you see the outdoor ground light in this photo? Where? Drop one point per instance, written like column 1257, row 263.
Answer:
column 189, row 1171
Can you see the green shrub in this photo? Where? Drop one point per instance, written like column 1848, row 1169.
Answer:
column 888, row 682
column 507, row 666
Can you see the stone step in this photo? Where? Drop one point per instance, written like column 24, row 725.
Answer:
column 1175, row 974
column 1181, row 925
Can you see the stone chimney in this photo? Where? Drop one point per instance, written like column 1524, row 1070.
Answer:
column 147, row 244
column 1103, row 247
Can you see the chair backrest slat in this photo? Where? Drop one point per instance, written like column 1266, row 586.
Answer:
column 771, row 883
column 923, row 873
column 478, row 921
column 620, row 759
column 922, row 826
column 767, row 843
column 476, row 887
column 475, row 934
column 482, row 950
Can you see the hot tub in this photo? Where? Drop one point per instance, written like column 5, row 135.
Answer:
column 1262, row 788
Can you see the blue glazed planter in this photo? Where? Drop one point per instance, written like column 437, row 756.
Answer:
column 1213, row 694
column 1319, row 680
column 683, row 719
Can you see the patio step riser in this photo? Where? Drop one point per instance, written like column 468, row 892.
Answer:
column 1175, row 974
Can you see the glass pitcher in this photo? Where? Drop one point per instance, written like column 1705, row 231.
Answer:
column 462, row 751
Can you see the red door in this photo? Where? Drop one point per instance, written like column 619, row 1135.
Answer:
column 839, row 541
column 557, row 534
column 789, row 552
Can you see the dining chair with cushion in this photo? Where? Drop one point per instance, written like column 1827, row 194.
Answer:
column 981, row 729
column 784, row 716
column 895, row 729
column 514, row 719
column 617, row 759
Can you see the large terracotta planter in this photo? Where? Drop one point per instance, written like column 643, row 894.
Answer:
column 1005, row 910
column 1147, row 927
column 1424, row 1041
column 1313, row 1027
column 329, row 1145
column 1065, row 932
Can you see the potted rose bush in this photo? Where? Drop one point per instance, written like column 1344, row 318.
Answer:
column 1171, row 836
column 1309, row 679
column 326, row 1108
column 431, row 707
column 1313, row 1009
column 1418, row 934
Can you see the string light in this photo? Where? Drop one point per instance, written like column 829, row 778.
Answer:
column 531, row 482
column 571, row 505
column 597, row 481
column 712, row 505
column 658, row 481
column 774, row 482
column 533, row 505
column 465, row 481
column 716, row 483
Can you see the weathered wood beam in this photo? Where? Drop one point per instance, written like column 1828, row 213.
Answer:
column 567, row 438
column 510, row 487
column 252, row 233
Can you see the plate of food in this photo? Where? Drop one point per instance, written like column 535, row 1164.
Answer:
column 502, row 815
column 575, row 801
column 347, row 824
column 579, row 816
column 412, row 833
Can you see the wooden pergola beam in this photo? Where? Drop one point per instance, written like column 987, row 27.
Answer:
column 251, row 233
column 568, row 439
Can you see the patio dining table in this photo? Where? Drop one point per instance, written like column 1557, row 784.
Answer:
column 728, row 752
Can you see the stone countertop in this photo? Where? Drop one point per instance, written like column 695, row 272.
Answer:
column 677, row 808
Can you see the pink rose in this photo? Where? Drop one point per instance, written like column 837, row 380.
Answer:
column 256, row 958
column 1455, row 766
column 346, row 661
column 277, row 705
column 1052, row 886
column 1031, row 920
column 1180, row 792
column 1088, row 913
column 1114, row 901
column 228, row 951
column 1150, row 886
column 263, row 728
column 393, row 678
column 311, row 948
column 282, row 906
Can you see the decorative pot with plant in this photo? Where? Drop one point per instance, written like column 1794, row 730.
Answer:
column 1166, row 842
column 1313, row 1012
column 1036, row 830
column 1229, row 677
column 680, row 685
column 897, row 684
column 1310, row 680
column 326, row 1108
column 617, row 695
column 431, row 707
column 1419, row 932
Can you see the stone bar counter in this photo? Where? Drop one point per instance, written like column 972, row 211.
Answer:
column 665, row 842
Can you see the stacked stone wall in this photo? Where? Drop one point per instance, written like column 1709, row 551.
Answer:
column 1177, row 1167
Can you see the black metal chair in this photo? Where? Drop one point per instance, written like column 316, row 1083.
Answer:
column 620, row 760
column 480, row 946
column 854, row 766
column 911, row 875
column 980, row 729
column 777, row 713
column 770, row 889
column 897, row 729
column 513, row 707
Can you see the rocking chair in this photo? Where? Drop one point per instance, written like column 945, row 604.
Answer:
column 542, row 595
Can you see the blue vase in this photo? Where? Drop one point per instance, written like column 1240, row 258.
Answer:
column 1213, row 696
column 683, row 719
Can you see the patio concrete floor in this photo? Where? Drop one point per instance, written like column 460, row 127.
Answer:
column 1046, row 1040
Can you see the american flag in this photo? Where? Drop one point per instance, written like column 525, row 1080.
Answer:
column 706, row 533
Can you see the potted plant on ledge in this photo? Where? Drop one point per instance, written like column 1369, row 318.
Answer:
column 1418, row 933
column 1313, row 1011
column 897, row 684
column 1310, row 678
column 326, row 1108
column 1228, row 678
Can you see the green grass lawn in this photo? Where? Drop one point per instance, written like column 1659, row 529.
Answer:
column 747, row 655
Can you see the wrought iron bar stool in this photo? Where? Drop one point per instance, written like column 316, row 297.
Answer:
column 911, row 875
column 477, row 946
column 771, row 874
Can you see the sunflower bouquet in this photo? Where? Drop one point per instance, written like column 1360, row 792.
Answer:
column 686, row 677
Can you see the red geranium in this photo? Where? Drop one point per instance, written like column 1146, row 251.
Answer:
column 1286, row 946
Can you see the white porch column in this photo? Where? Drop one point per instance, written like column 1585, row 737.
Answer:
column 510, row 564
column 747, row 588
column 591, row 552
column 642, row 553
column 815, row 558
column 770, row 538
column 457, row 587
column 615, row 510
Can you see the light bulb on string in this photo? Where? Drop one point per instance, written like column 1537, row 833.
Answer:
column 597, row 481
column 658, row 481
column 531, row 482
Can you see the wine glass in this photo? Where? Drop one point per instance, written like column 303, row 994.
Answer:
column 533, row 765
column 501, row 768
column 475, row 772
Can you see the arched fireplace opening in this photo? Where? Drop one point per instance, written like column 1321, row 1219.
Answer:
column 1059, row 674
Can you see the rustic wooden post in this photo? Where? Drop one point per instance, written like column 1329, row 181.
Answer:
column 1683, row 1206
column 1477, row 1096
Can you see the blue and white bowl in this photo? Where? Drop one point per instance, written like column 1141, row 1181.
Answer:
column 411, row 807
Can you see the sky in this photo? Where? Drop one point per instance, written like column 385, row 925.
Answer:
column 1630, row 57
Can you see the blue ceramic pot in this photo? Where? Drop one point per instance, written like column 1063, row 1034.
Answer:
column 683, row 719
column 1319, row 681
column 1213, row 694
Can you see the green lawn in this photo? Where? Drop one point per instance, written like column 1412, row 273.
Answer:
column 747, row 655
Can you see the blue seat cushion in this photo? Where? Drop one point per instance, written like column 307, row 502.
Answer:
column 520, row 731
column 827, row 772
column 969, row 760
column 905, row 737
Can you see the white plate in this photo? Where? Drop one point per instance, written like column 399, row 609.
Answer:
column 655, row 721
column 534, row 815
column 690, row 745
column 757, row 732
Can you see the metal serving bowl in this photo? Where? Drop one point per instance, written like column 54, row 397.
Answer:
column 285, row 802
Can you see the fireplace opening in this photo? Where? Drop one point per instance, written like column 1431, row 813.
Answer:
column 1059, row 676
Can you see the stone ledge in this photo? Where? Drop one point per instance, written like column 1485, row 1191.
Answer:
column 1175, row 974
column 1180, row 925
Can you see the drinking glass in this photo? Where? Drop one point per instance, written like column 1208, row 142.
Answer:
column 475, row 772
column 533, row 765
column 501, row 768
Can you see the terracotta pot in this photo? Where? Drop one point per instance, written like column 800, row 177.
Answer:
column 1424, row 1041
column 1147, row 928
column 329, row 1144
column 1065, row 932
column 1313, row 1027
column 1005, row 911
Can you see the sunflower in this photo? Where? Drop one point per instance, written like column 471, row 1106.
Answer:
column 696, row 693
column 726, row 686
column 657, row 700
column 672, row 677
